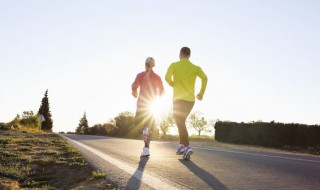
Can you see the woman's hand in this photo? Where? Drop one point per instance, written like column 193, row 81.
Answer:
column 134, row 94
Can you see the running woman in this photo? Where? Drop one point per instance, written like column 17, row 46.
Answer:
column 182, row 76
column 150, row 86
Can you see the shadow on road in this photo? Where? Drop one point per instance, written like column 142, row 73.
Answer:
column 135, row 180
column 203, row 175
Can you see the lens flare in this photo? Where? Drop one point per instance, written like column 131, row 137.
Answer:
column 157, row 108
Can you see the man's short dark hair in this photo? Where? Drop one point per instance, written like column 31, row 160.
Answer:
column 185, row 51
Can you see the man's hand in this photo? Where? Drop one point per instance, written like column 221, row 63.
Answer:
column 200, row 96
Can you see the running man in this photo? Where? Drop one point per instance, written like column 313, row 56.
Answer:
column 182, row 76
column 150, row 86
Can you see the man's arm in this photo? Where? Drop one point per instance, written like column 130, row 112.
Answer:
column 169, row 74
column 204, row 81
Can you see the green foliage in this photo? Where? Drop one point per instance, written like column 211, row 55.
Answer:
column 3, row 126
column 125, row 123
column 120, row 126
column 45, row 111
column 98, row 174
column 83, row 125
column 4, row 141
column 28, row 119
column 268, row 134
column 103, row 129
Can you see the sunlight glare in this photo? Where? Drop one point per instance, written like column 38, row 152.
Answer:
column 158, row 107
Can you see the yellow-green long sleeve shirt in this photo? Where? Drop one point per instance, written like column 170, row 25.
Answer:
column 182, row 76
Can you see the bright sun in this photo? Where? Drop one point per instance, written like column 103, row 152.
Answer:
column 159, row 107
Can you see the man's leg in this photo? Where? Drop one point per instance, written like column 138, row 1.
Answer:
column 181, row 110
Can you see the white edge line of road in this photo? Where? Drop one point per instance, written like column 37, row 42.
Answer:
column 152, row 181
column 256, row 154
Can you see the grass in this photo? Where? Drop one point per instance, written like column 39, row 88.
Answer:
column 24, row 148
column 45, row 161
column 4, row 142
column 98, row 174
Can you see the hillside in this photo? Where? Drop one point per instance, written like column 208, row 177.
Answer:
column 32, row 160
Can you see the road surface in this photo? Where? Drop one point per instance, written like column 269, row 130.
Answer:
column 209, row 167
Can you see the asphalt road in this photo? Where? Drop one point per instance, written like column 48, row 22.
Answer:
column 209, row 167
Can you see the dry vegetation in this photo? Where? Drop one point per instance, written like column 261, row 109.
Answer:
column 45, row 161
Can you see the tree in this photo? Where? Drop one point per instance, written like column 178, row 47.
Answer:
column 97, row 129
column 166, row 122
column 111, row 128
column 83, row 125
column 27, row 114
column 28, row 119
column 198, row 122
column 125, row 123
column 45, row 111
column 102, row 129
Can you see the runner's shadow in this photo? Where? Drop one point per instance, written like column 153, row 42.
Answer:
column 135, row 180
column 203, row 175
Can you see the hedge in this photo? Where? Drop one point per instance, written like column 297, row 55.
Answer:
column 268, row 134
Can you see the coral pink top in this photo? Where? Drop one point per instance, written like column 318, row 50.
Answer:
column 150, row 86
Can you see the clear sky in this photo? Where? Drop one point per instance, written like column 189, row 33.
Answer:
column 262, row 57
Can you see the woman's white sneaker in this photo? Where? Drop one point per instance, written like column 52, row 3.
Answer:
column 145, row 152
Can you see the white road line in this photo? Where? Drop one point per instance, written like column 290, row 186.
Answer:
column 256, row 154
column 152, row 181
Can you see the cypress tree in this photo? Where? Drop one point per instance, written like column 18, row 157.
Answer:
column 83, row 125
column 45, row 111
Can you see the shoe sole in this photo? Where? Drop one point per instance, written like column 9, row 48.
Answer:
column 187, row 157
column 179, row 153
column 145, row 155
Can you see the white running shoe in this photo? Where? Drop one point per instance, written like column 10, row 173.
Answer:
column 145, row 152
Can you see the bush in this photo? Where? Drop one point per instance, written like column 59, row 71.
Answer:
column 125, row 123
column 102, row 129
column 268, row 134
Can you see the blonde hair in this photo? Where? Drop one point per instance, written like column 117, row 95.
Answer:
column 150, row 63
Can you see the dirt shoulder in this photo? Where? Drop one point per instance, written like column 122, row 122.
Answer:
column 46, row 161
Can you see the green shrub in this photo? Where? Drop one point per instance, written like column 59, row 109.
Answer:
column 268, row 134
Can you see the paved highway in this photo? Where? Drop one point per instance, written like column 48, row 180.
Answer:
column 209, row 167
